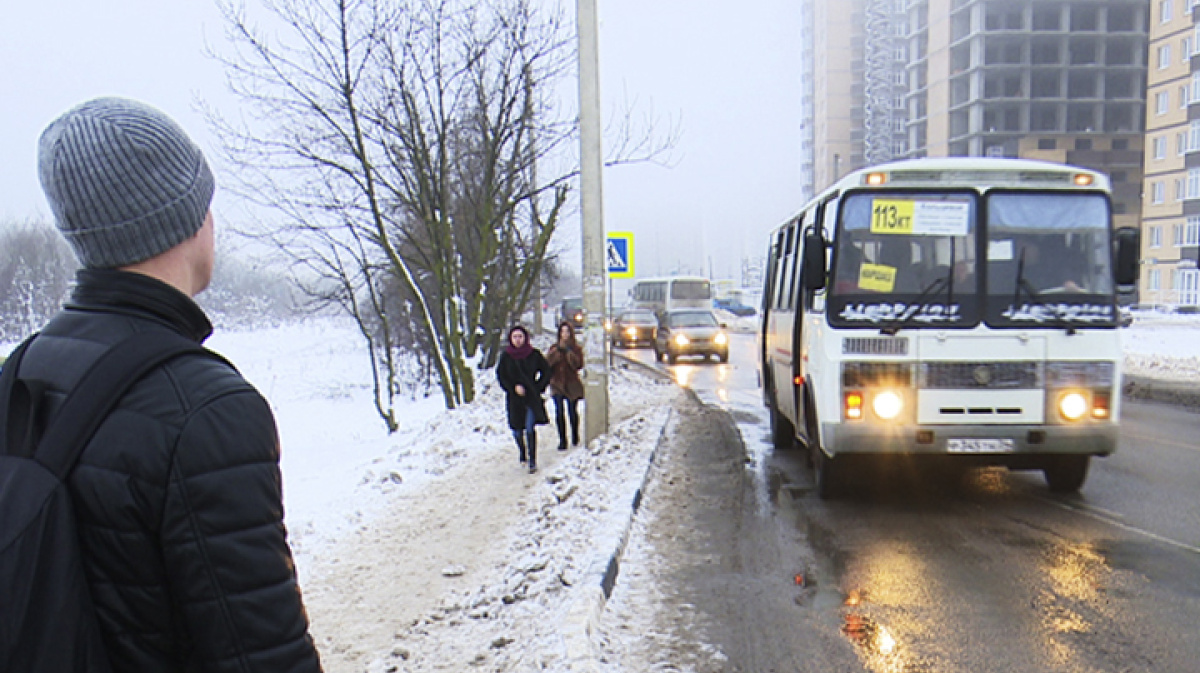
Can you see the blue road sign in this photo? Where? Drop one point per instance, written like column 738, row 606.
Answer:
column 619, row 255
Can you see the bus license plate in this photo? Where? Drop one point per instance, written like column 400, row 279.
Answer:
column 980, row 446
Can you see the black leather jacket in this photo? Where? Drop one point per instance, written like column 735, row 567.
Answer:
column 178, row 495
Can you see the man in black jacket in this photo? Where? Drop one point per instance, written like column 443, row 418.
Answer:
column 178, row 495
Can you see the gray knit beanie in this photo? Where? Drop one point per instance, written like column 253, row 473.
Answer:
column 124, row 181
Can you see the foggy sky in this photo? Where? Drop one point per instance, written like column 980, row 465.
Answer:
column 726, row 74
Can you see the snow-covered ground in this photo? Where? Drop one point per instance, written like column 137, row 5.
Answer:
column 431, row 549
column 1163, row 346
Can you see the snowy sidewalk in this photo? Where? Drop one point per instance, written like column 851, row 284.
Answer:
column 483, row 565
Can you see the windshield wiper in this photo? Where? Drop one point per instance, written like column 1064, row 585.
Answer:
column 1034, row 295
column 1023, row 284
column 936, row 285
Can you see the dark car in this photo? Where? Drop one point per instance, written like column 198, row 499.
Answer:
column 634, row 328
column 735, row 307
column 690, row 331
column 571, row 310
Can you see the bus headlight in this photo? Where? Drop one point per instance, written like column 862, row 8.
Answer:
column 1072, row 406
column 887, row 404
column 681, row 340
column 720, row 339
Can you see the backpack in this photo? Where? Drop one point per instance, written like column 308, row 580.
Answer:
column 47, row 621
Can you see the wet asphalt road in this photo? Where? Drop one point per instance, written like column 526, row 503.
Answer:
column 917, row 569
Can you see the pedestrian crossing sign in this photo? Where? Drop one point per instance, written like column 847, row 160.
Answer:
column 619, row 254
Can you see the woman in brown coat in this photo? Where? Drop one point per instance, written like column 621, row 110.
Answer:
column 566, row 359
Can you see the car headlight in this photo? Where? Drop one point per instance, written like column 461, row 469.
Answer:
column 631, row 332
column 1072, row 405
column 720, row 339
column 682, row 340
column 887, row 404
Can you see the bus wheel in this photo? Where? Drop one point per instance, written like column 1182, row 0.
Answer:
column 783, row 436
column 1066, row 474
column 828, row 473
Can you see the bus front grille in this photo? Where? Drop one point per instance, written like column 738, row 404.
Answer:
column 980, row 375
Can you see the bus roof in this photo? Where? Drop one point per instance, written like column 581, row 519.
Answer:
column 978, row 171
column 982, row 172
column 663, row 279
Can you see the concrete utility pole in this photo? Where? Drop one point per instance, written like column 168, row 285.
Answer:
column 591, row 157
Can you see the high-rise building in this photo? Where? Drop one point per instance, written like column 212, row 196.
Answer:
column 1056, row 80
column 807, row 39
column 857, row 83
column 1171, row 207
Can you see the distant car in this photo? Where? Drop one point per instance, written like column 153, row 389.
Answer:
column 571, row 310
column 690, row 332
column 634, row 328
column 735, row 307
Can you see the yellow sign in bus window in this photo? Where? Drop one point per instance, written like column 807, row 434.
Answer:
column 889, row 216
column 877, row 277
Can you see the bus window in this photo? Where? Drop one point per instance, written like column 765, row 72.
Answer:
column 785, row 258
column 789, row 270
column 691, row 290
column 893, row 249
column 1060, row 240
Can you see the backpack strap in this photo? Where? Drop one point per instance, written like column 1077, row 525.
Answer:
column 99, row 390
column 17, row 419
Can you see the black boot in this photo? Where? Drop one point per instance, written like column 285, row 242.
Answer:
column 575, row 430
column 520, row 437
column 531, row 440
column 562, row 433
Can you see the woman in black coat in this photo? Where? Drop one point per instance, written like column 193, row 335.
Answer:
column 524, row 375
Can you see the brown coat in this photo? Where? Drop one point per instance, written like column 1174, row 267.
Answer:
column 565, row 363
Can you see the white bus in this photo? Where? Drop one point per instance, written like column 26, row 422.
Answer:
column 957, row 306
column 664, row 294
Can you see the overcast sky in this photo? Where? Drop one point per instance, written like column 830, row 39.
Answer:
column 728, row 74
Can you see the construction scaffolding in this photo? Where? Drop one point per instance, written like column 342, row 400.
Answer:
column 879, row 113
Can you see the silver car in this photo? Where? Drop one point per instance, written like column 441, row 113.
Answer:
column 690, row 331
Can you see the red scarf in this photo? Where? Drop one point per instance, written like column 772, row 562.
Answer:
column 519, row 353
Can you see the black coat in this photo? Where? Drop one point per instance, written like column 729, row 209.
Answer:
column 532, row 372
column 177, row 496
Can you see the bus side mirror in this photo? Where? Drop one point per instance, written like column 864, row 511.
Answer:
column 1125, row 262
column 814, row 260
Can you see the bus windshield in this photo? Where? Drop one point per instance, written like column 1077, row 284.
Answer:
column 905, row 259
column 1048, row 259
column 911, row 259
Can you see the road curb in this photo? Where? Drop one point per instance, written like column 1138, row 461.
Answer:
column 583, row 617
column 1178, row 393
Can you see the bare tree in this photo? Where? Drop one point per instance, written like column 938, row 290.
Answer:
column 416, row 163
column 36, row 270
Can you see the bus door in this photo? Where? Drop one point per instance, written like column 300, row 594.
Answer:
column 780, row 335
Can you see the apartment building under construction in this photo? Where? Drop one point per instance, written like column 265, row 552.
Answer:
column 1106, row 84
